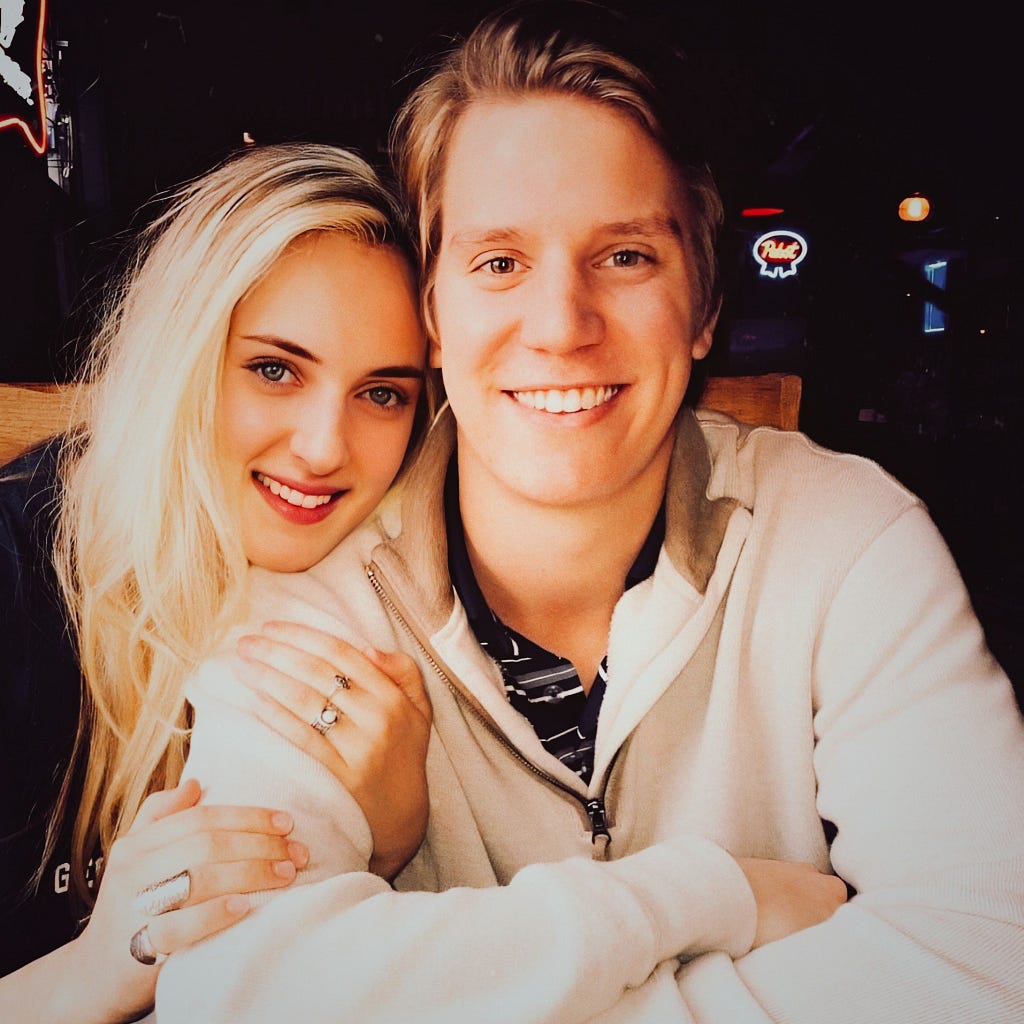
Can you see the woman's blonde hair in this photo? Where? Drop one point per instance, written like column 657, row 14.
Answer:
column 571, row 48
column 147, row 552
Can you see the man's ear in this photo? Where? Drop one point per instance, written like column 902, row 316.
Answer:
column 702, row 343
column 430, row 322
column 434, row 351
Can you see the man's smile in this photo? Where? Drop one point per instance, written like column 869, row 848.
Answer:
column 570, row 400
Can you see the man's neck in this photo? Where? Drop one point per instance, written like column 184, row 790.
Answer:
column 553, row 573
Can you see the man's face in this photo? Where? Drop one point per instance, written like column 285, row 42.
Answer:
column 562, row 301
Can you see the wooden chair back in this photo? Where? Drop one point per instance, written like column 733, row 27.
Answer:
column 30, row 413
column 768, row 399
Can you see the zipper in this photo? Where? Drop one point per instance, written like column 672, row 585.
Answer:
column 593, row 807
column 600, row 836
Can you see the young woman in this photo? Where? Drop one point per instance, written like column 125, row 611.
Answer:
column 254, row 389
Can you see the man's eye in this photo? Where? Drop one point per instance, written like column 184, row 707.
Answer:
column 627, row 258
column 501, row 265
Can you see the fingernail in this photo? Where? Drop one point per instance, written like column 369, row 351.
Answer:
column 298, row 853
column 284, row 869
column 236, row 905
column 282, row 821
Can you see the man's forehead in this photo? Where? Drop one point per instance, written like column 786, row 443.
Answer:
column 532, row 164
column 652, row 226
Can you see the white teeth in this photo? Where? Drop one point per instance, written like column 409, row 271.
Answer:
column 292, row 496
column 572, row 400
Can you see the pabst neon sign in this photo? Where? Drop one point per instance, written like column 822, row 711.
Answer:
column 779, row 253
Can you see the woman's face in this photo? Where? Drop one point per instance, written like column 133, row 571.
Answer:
column 322, row 373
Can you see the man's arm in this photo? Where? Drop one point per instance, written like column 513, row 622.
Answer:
column 920, row 762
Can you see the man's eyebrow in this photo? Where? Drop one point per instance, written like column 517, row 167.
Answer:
column 485, row 236
column 285, row 346
column 657, row 224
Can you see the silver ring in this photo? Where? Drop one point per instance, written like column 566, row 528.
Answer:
column 340, row 683
column 169, row 894
column 327, row 719
column 141, row 948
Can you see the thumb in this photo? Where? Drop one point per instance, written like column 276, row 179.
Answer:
column 405, row 675
column 167, row 801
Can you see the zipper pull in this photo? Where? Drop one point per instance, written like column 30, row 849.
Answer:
column 600, row 836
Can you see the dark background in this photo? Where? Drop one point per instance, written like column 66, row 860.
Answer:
column 831, row 112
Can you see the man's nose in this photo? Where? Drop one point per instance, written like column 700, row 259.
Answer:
column 562, row 312
column 319, row 436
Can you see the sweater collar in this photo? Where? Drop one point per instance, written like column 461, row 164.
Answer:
column 415, row 553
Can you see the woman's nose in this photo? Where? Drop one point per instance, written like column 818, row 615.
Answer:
column 318, row 438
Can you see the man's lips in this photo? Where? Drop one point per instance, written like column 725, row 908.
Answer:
column 565, row 400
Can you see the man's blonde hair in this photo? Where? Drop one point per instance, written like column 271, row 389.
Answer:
column 577, row 49
column 148, row 549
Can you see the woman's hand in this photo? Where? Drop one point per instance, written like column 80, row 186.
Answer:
column 377, row 746
column 790, row 896
column 226, row 851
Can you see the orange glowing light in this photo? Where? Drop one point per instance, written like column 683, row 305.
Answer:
column 915, row 208
column 16, row 122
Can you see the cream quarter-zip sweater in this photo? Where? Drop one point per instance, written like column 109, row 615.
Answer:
column 804, row 650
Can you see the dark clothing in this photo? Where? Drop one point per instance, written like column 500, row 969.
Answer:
column 542, row 686
column 40, row 687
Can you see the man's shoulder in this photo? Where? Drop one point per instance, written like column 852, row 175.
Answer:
column 328, row 593
column 761, row 467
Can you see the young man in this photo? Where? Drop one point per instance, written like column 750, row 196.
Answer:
column 688, row 651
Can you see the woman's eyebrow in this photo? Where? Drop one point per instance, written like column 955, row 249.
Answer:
column 398, row 371
column 285, row 346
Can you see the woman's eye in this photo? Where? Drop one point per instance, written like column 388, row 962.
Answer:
column 384, row 396
column 272, row 372
column 501, row 265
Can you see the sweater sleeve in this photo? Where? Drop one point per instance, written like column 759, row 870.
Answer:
column 562, row 942
column 920, row 765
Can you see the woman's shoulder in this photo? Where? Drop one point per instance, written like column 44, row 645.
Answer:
column 29, row 496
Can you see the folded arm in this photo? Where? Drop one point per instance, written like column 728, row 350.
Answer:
column 920, row 763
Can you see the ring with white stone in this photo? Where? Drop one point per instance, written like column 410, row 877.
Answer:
column 169, row 894
column 141, row 948
column 327, row 719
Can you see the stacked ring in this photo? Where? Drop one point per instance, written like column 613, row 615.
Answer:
column 141, row 948
column 168, row 894
column 327, row 719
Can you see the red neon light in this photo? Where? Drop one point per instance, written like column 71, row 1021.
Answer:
column 762, row 211
column 17, row 122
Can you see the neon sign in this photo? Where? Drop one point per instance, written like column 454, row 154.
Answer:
column 779, row 253
column 21, row 70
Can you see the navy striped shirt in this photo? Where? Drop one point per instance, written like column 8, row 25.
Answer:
column 542, row 686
